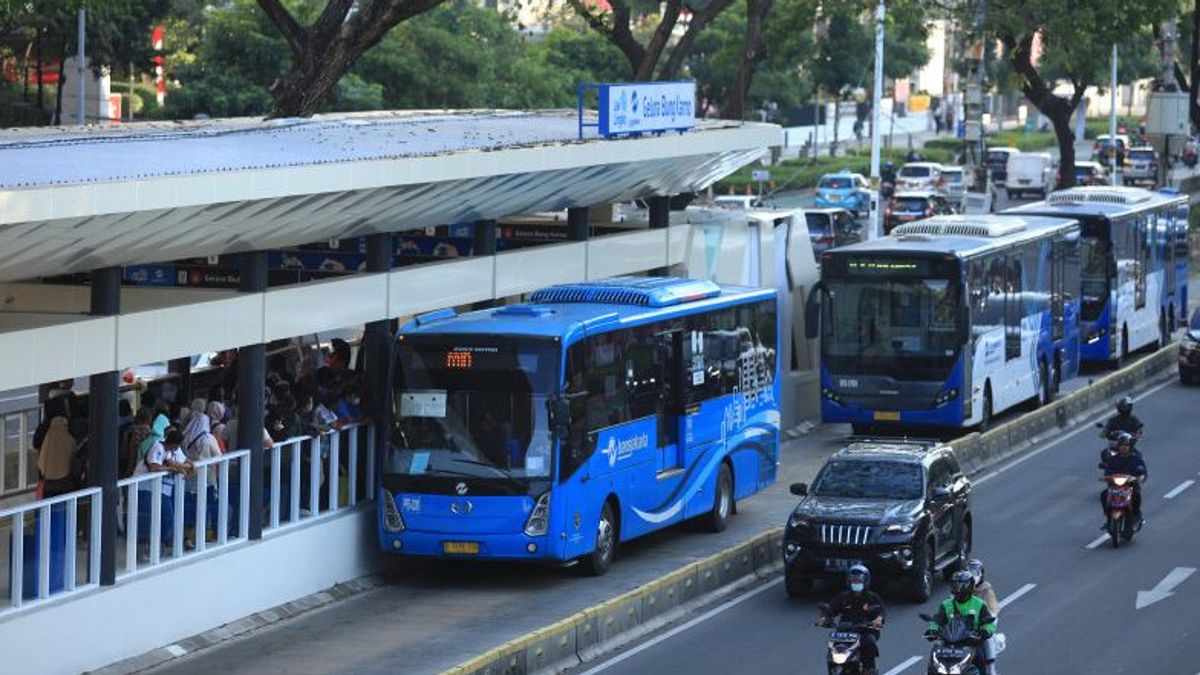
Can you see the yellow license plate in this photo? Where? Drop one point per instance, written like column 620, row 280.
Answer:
column 885, row 416
column 460, row 547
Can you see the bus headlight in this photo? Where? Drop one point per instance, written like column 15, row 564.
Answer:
column 1096, row 335
column 831, row 395
column 392, row 522
column 539, row 518
column 946, row 396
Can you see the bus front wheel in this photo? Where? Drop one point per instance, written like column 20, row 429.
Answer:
column 601, row 558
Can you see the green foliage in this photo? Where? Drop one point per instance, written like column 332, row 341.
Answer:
column 845, row 53
column 904, row 39
column 802, row 173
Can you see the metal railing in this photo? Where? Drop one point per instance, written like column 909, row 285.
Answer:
column 189, row 503
column 305, row 475
column 44, row 543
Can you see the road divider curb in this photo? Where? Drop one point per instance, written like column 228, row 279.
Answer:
column 596, row 630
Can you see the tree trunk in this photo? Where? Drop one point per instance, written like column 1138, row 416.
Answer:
column 1055, row 107
column 62, row 82
column 837, row 117
column 301, row 92
column 1066, row 148
column 37, row 49
column 756, row 14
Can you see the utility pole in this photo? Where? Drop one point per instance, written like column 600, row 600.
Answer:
column 1112, row 117
column 974, row 138
column 80, row 66
column 874, row 230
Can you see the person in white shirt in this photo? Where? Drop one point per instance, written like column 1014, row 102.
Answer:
column 165, row 456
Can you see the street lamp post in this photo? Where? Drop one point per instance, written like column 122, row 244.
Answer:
column 874, row 230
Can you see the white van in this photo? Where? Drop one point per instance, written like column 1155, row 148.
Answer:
column 1029, row 173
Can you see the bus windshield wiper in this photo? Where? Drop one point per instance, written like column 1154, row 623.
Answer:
column 501, row 472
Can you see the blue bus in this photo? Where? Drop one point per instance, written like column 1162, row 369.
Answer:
column 592, row 414
column 1135, row 265
column 947, row 321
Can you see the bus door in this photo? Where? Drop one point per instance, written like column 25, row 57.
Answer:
column 670, row 402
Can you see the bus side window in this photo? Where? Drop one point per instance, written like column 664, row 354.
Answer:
column 575, row 447
column 1012, row 308
column 608, row 397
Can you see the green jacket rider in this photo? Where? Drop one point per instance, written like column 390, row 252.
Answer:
column 964, row 602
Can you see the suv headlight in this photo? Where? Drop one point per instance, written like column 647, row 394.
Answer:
column 539, row 518
column 901, row 528
column 797, row 521
column 392, row 522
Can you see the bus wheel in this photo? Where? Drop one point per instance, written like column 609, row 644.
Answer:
column 601, row 558
column 985, row 422
column 718, row 518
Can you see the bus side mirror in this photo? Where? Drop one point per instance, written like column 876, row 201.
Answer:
column 812, row 312
column 559, row 412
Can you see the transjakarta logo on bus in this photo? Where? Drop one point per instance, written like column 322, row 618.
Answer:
column 617, row 450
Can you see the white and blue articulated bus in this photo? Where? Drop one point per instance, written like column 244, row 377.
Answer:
column 594, row 413
column 947, row 321
column 1135, row 265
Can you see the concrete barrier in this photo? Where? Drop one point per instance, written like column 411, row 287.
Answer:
column 596, row 630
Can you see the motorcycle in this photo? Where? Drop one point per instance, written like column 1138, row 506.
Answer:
column 843, row 652
column 957, row 649
column 1118, row 504
column 887, row 188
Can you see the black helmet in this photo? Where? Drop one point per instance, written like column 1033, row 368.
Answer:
column 1124, row 439
column 975, row 567
column 859, row 574
column 963, row 585
column 1125, row 405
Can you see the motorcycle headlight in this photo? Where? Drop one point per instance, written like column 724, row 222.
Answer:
column 839, row 657
column 901, row 528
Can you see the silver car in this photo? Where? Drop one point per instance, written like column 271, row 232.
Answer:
column 1141, row 165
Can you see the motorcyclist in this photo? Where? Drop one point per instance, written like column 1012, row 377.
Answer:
column 1129, row 462
column 985, row 592
column 963, row 602
column 1124, row 420
column 858, row 604
column 887, row 180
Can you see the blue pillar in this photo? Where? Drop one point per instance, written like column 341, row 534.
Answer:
column 485, row 238
column 251, row 381
column 378, row 339
column 577, row 223
column 103, row 391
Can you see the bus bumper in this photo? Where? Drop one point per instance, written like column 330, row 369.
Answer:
column 948, row 414
column 1096, row 346
column 479, row 546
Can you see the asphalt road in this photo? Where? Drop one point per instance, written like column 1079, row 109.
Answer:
column 1073, row 600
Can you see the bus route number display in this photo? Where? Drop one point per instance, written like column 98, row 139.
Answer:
column 886, row 267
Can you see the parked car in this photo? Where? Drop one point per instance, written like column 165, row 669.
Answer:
column 996, row 161
column 1189, row 351
column 844, row 190
column 1090, row 173
column 956, row 183
column 912, row 205
column 1029, row 172
column 828, row 228
column 902, row 508
column 736, row 202
column 920, row 176
column 1141, row 166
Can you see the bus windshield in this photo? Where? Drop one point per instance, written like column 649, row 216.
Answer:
column 864, row 479
column 907, row 329
column 470, row 408
column 1095, row 252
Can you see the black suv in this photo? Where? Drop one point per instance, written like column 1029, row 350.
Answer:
column 901, row 508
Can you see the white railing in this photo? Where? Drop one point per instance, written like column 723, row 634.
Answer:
column 306, row 475
column 44, row 534
column 189, row 505
column 18, row 463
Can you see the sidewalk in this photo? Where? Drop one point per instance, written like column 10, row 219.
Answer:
column 430, row 616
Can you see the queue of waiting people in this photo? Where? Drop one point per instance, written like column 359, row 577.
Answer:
column 306, row 395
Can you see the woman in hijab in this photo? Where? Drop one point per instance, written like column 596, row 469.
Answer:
column 55, row 460
column 158, row 431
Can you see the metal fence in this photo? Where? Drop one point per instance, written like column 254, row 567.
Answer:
column 44, row 538
column 313, row 476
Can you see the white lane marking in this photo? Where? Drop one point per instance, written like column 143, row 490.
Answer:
column 912, row 660
column 682, row 627
column 1165, row 588
column 1016, row 595
column 175, row 650
column 1097, row 541
column 1179, row 488
column 1070, row 434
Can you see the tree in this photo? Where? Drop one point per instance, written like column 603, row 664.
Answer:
column 617, row 24
column 325, row 49
column 1078, row 38
column 844, row 58
column 754, row 50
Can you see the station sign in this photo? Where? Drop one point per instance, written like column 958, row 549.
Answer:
column 637, row 108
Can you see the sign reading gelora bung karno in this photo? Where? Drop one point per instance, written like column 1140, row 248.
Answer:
column 647, row 107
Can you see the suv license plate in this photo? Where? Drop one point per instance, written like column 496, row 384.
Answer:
column 840, row 564
column 887, row 416
column 460, row 547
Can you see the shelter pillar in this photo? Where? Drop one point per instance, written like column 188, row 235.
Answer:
column 103, row 391
column 485, row 238
column 660, row 211
column 378, row 340
column 577, row 223
column 251, row 383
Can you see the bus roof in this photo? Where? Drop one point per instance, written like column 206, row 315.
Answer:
column 1104, row 201
column 959, row 235
column 567, row 310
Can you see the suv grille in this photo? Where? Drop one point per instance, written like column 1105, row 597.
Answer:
column 843, row 535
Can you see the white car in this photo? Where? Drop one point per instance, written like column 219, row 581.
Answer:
column 1029, row 173
column 920, row 176
column 736, row 202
